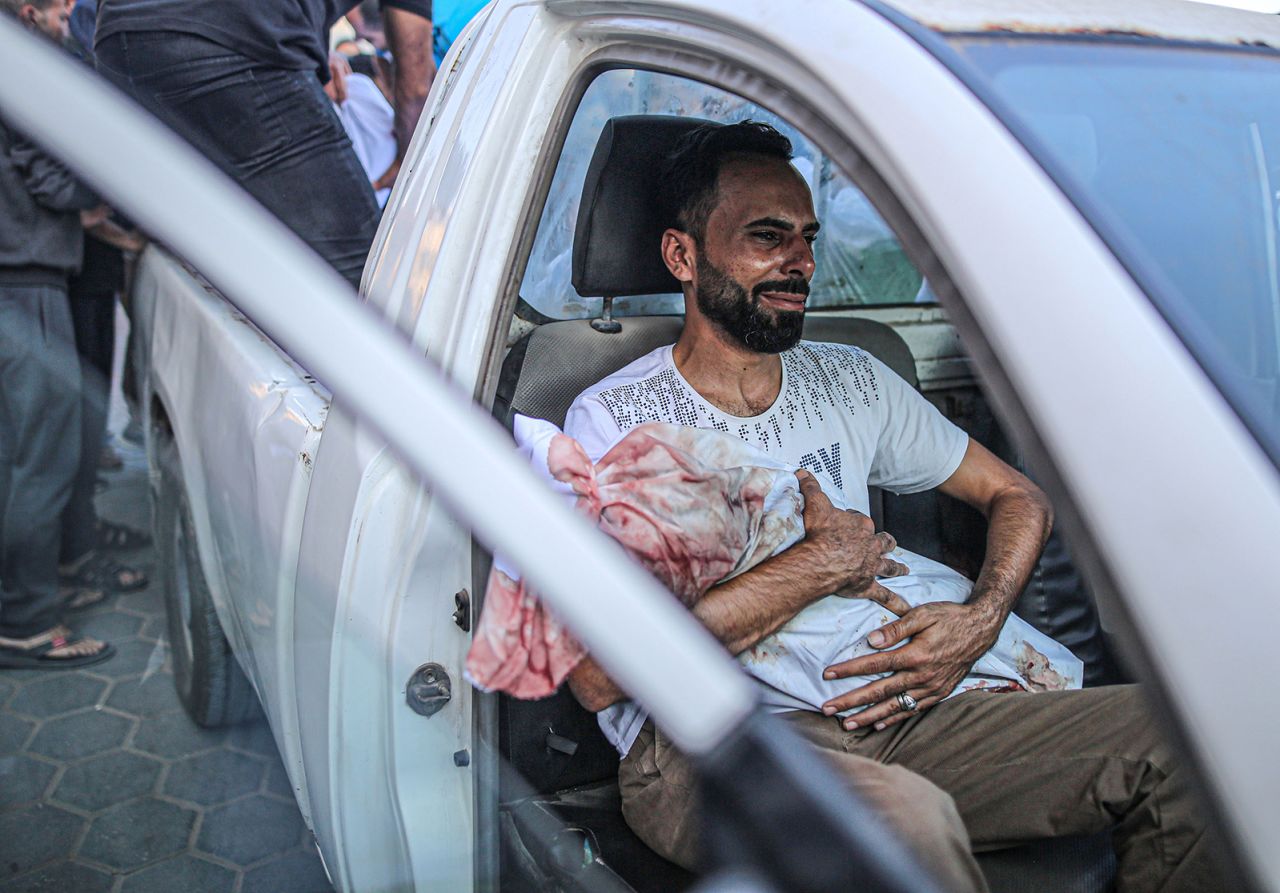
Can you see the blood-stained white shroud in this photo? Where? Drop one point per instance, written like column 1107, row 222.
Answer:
column 697, row 507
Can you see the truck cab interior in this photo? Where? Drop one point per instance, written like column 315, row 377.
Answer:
column 558, row 807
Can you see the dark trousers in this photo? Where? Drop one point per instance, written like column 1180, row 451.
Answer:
column 272, row 130
column 39, row 451
column 982, row 772
column 93, row 319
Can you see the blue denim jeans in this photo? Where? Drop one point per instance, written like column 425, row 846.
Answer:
column 272, row 130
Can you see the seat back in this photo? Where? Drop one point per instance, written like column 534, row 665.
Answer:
column 622, row 215
column 556, row 362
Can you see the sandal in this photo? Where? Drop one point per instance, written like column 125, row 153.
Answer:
column 120, row 537
column 98, row 571
column 57, row 648
column 74, row 597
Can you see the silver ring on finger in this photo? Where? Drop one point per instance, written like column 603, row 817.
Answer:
column 907, row 703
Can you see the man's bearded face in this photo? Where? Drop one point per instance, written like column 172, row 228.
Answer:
column 740, row 315
column 50, row 21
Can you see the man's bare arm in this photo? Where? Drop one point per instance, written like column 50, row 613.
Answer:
column 409, row 39
column 948, row 638
column 841, row 552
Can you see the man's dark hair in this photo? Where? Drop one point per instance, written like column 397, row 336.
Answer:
column 13, row 7
column 693, row 167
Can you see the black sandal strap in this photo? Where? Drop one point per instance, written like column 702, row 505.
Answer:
column 100, row 571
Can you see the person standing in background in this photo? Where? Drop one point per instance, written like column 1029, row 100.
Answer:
column 243, row 81
column 366, row 23
column 85, row 571
column 451, row 16
column 42, row 211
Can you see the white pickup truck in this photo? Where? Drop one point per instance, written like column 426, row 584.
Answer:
column 1092, row 193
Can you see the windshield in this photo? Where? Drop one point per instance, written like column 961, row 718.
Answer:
column 1175, row 150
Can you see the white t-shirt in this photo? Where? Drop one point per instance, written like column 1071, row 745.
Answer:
column 839, row 412
column 369, row 121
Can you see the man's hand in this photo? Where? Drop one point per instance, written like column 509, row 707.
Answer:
column 946, row 639
column 339, row 71
column 98, row 223
column 94, row 216
column 388, row 178
column 846, row 551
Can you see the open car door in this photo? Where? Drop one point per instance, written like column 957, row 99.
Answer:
column 800, row 829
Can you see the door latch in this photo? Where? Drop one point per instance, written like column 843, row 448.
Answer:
column 429, row 689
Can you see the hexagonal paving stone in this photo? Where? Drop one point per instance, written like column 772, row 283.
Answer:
column 23, row 780
column 62, row 877
column 14, row 732
column 80, row 735
column 6, row 689
column 33, row 836
column 136, row 833
column 181, row 873
column 148, row 601
column 107, row 779
column 146, row 696
column 132, row 658
column 215, row 777
column 248, row 830
column 59, row 694
column 112, row 626
column 21, row 677
column 254, row 737
column 295, row 873
column 155, row 627
column 278, row 782
column 176, row 736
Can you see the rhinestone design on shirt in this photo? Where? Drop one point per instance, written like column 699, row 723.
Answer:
column 820, row 379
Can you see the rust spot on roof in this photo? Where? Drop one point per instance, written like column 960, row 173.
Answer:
column 1022, row 28
column 1143, row 19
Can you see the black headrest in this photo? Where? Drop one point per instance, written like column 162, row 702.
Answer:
column 616, row 244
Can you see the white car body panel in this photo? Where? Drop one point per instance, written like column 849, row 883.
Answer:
column 380, row 788
column 247, row 445
column 372, row 586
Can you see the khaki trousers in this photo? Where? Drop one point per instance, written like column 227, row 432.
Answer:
column 979, row 772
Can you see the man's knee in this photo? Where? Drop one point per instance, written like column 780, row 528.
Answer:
column 920, row 811
column 1121, row 723
column 920, row 814
column 664, row 816
column 657, row 786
